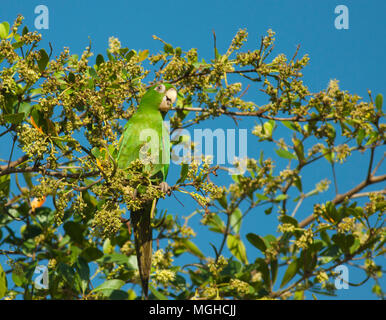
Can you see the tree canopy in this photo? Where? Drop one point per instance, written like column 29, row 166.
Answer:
column 64, row 200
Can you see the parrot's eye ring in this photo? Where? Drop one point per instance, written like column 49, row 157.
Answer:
column 160, row 88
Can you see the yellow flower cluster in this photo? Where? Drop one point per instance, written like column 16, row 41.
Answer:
column 241, row 287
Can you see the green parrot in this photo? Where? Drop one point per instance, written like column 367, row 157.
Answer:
column 147, row 123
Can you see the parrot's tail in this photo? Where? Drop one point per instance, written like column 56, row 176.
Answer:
column 143, row 237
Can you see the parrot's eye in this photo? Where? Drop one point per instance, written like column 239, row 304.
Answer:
column 160, row 88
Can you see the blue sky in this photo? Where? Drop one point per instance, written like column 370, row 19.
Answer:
column 355, row 57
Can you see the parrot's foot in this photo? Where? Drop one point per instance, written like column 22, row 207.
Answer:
column 165, row 188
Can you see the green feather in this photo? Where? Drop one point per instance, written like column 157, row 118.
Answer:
column 148, row 118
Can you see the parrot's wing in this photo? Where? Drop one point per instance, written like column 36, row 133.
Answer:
column 165, row 151
column 130, row 143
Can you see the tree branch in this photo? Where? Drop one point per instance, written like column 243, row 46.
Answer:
column 45, row 171
column 341, row 197
column 13, row 164
column 366, row 194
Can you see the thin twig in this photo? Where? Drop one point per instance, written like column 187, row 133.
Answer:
column 370, row 162
column 379, row 164
column 341, row 197
column 14, row 164
column 366, row 194
column 334, row 177
column 297, row 206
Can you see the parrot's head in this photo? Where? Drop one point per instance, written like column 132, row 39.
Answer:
column 161, row 96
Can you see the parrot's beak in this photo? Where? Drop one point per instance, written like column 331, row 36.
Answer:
column 169, row 98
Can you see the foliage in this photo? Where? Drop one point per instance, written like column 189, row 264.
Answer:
column 63, row 117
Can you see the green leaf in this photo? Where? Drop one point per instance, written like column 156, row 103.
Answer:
column 257, row 241
column 118, row 295
column 261, row 197
column 123, row 51
column 5, row 182
column 71, row 77
column 158, row 295
column 376, row 289
column 109, row 55
column 308, row 259
column 360, row 136
column 107, row 247
column 269, row 239
column 25, row 31
column 236, row 219
column 223, row 201
column 281, row 197
column 83, row 274
column 43, row 60
column 236, row 178
column 31, row 231
column 292, row 125
column 343, row 241
column 379, row 102
column 268, row 128
column 142, row 55
column 74, row 230
column 210, row 90
column 99, row 60
column 15, row 118
column 192, row 248
column 108, row 287
column 331, row 212
column 36, row 91
column 133, row 263
column 200, row 65
column 373, row 136
column 262, row 266
column 4, row 30
column 298, row 183
column 299, row 295
column 66, row 272
column 91, row 254
column 183, row 173
column 274, row 269
column 329, row 155
column 237, row 248
column 18, row 277
column 285, row 154
column 290, row 273
column 3, row 283
column 288, row 219
column 355, row 246
column 216, row 224
column 45, row 216
column 92, row 72
column 178, row 51
column 325, row 237
column 299, row 149
column 168, row 48
column 129, row 55
column 217, row 55
column 119, row 259
column 25, row 108
column 17, row 45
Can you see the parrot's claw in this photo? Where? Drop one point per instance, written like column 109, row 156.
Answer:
column 165, row 188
